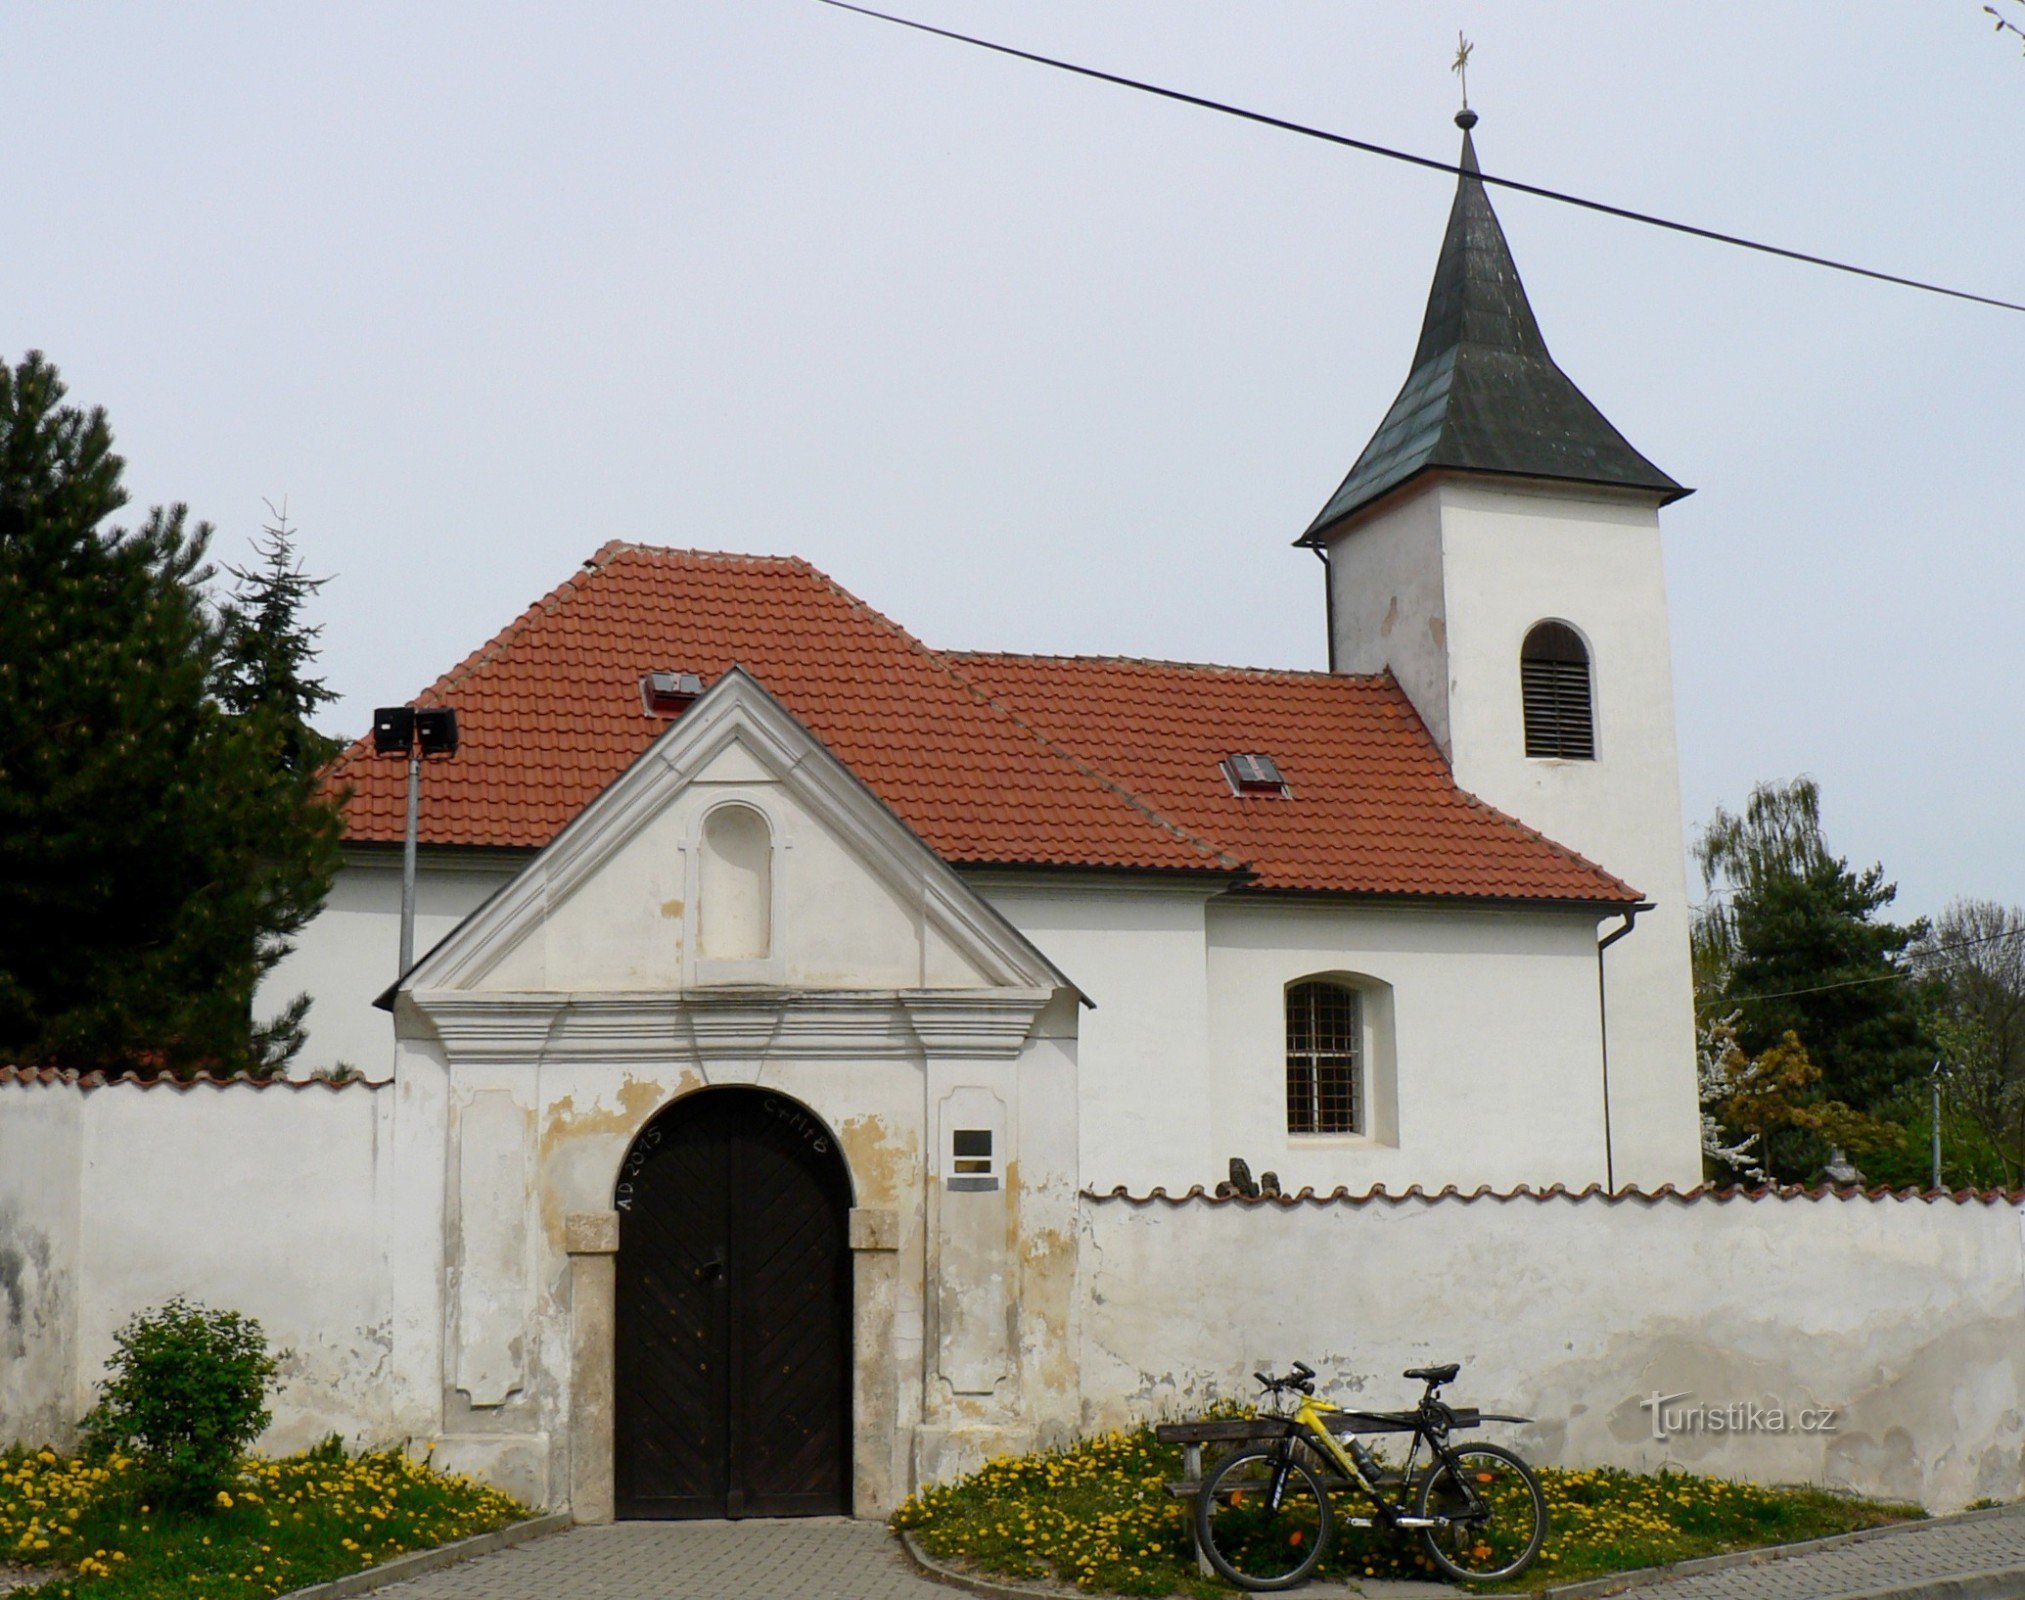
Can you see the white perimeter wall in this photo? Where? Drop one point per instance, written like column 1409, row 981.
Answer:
column 278, row 1202
column 41, row 1140
column 1907, row 1317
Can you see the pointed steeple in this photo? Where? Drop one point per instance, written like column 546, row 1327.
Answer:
column 1484, row 395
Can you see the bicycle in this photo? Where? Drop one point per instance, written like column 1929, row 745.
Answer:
column 1263, row 1517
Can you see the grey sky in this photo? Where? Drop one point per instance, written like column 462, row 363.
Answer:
column 1030, row 362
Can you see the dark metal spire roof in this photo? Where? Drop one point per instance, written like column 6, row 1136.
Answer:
column 1484, row 395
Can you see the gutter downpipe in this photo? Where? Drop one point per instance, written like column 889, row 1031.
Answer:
column 1603, row 1038
column 1328, row 601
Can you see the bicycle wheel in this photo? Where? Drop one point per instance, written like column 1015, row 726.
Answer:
column 1250, row 1540
column 1496, row 1514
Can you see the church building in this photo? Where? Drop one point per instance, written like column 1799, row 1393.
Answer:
column 786, row 983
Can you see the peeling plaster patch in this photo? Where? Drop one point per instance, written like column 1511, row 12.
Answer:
column 14, row 1326
column 581, row 1151
column 672, row 910
column 1391, row 619
column 28, row 1282
column 884, row 1166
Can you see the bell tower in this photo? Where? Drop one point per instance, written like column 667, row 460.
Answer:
column 1496, row 547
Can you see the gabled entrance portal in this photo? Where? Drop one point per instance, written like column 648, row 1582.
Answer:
column 733, row 1313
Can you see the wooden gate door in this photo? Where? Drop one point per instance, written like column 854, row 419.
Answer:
column 733, row 1366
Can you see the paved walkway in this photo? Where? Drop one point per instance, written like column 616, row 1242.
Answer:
column 1903, row 1558
column 796, row 1558
column 820, row 1558
column 833, row 1558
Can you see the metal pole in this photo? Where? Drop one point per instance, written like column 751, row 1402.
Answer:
column 1937, row 1124
column 408, row 863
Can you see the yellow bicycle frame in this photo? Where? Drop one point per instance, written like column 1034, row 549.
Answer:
column 1308, row 1418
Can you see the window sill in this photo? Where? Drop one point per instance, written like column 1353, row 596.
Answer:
column 1339, row 1141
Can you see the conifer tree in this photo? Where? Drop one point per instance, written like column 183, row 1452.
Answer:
column 1793, row 941
column 269, row 650
column 157, row 849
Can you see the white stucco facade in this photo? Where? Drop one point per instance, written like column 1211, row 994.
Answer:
column 1482, row 1056
column 350, row 952
column 1440, row 584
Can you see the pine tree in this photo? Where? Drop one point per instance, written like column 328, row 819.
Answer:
column 269, row 650
column 156, row 849
column 1792, row 941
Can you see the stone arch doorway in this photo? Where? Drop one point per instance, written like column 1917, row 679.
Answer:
column 732, row 1313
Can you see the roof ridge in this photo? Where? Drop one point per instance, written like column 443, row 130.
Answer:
column 1151, row 812
column 600, row 560
column 1319, row 673
column 617, row 547
column 942, row 663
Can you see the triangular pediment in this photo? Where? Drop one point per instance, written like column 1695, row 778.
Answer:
column 813, row 885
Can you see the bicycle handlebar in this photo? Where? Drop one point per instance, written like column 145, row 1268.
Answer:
column 1301, row 1378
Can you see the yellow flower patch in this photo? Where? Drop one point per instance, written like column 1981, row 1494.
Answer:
column 1097, row 1514
column 341, row 1514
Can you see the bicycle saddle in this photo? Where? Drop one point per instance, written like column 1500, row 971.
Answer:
column 1434, row 1374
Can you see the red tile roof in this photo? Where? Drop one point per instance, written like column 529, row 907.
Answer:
column 990, row 758
column 1370, row 805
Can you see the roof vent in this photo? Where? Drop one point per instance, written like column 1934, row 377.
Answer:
column 1254, row 775
column 668, row 694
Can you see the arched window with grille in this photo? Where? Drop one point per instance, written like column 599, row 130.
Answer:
column 1325, row 1057
column 1554, row 682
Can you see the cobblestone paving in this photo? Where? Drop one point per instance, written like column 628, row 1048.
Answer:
column 798, row 1558
column 1902, row 1557
column 833, row 1558
column 775, row 1559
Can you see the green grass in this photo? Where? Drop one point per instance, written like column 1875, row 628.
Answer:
column 287, row 1523
column 1098, row 1515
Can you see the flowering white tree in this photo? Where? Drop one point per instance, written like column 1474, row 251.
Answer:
column 1721, row 1071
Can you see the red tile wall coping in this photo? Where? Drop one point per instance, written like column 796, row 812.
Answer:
column 70, row 1077
column 1718, row 1194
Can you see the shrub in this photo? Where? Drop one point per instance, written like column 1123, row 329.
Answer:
column 185, row 1396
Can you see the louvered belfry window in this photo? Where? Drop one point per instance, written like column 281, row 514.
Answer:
column 1325, row 1036
column 1554, row 680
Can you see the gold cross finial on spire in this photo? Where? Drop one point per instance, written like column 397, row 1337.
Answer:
column 1461, row 66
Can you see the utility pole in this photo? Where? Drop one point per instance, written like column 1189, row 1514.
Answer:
column 413, row 732
column 1935, row 1075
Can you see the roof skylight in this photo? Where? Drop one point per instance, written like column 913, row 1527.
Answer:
column 1254, row 774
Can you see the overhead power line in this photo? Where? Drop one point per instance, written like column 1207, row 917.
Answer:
column 1882, row 977
column 1560, row 197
